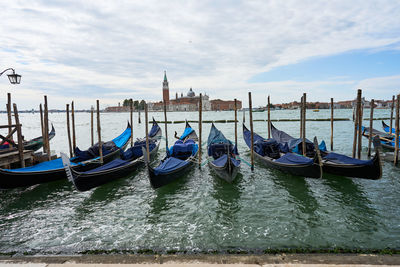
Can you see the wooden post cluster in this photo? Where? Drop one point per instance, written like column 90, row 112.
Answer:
column 252, row 132
column 269, row 118
column 99, row 132
column 19, row 136
column 396, row 139
column 131, row 117
column 371, row 119
column 236, row 122
column 303, row 123
column 200, row 130
column 71, row 154
column 391, row 114
column 332, row 124
column 147, row 132
column 356, row 122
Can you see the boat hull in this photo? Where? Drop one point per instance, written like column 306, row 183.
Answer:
column 373, row 171
column 10, row 179
column 228, row 172
column 312, row 171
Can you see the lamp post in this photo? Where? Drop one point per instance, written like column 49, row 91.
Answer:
column 14, row 78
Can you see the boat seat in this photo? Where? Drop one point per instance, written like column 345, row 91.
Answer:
column 182, row 150
column 219, row 149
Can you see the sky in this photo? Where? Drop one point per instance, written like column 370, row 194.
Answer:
column 112, row 50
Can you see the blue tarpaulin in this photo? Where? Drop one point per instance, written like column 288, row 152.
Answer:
column 291, row 158
column 43, row 166
column 121, row 140
column 183, row 149
column 343, row 159
column 154, row 130
column 169, row 165
column 186, row 133
column 136, row 151
column 221, row 161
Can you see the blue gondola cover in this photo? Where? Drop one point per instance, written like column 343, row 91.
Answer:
column 291, row 158
column 183, row 149
column 136, row 151
column 343, row 159
column 43, row 166
column 121, row 140
column 169, row 165
column 186, row 133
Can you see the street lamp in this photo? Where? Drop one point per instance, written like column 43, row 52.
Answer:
column 14, row 78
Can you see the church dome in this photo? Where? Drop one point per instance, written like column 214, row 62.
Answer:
column 190, row 93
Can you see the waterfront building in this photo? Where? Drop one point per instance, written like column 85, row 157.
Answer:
column 190, row 101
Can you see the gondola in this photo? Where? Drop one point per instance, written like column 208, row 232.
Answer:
column 269, row 153
column 33, row 144
column 53, row 170
column 333, row 163
column 130, row 160
column 222, row 155
column 179, row 159
column 387, row 140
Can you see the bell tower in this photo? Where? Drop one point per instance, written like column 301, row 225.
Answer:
column 165, row 89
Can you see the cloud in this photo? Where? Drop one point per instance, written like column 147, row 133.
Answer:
column 102, row 49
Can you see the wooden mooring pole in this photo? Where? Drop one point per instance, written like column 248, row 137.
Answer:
column 304, row 124
column 252, row 132
column 71, row 154
column 200, row 129
column 99, row 132
column 9, row 115
column 91, row 125
column 147, row 131
column 131, row 118
column 139, row 116
column 332, row 124
column 359, row 132
column 244, row 116
column 19, row 136
column 46, row 127
column 236, row 122
column 396, row 139
column 73, row 125
column 301, row 117
column 391, row 114
column 42, row 128
column 371, row 119
column 356, row 113
column 269, row 117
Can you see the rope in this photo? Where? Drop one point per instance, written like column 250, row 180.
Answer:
column 248, row 164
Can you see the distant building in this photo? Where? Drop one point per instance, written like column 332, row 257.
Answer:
column 190, row 102
column 218, row 104
column 118, row 108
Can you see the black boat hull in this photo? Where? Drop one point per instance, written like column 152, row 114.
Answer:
column 312, row 171
column 228, row 172
column 159, row 180
column 9, row 179
column 85, row 182
column 373, row 171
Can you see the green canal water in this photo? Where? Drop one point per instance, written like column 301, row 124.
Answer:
column 263, row 209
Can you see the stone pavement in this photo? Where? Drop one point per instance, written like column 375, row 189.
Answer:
column 222, row 260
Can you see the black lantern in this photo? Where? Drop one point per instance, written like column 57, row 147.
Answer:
column 14, row 78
